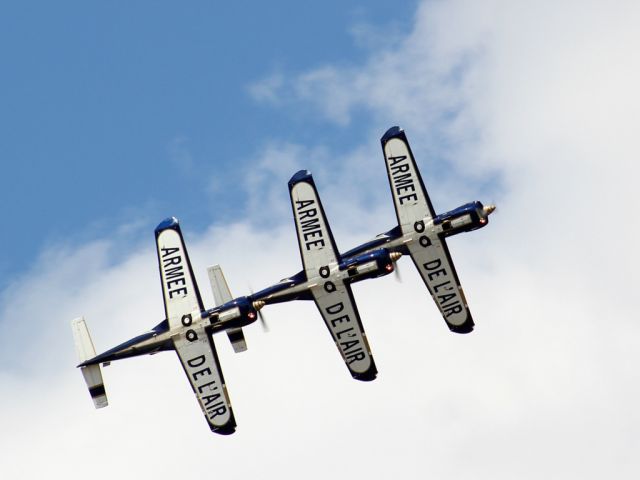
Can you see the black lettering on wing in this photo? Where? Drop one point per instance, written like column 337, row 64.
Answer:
column 348, row 345
column 398, row 159
column 348, row 331
column 208, row 399
column 316, row 243
column 204, row 372
column 196, row 361
column 312, row 212
column 433, row 264
column 211, row 384
column 168, row 251
column 175, row 272
column 300, row 204
column 335, row 309
column 171, row 261
column 443, row 299
column 403, row 181
column 343, row 318
column 217, row 412
column 355, row 357
column 310, row 225
column 443, row 286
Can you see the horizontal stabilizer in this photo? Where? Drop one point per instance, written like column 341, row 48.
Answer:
column 238, row 342
column 222, row 295
column 92, row 373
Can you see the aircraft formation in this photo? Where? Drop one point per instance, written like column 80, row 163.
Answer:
column 326, row 278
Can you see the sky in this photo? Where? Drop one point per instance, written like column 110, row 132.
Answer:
column 117, row 116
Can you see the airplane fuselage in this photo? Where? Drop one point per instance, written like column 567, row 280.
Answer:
column 373, row 258
column 369, row 260
column 369, row 263
column 235, row 314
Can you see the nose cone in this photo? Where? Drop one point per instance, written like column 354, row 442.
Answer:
column 488, row 209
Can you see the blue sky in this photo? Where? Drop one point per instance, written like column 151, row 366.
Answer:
column 140, row 109
column 114, row 117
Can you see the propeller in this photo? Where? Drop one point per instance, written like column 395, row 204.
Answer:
column 396, row 274
column 486, row 211
column 489, row 209
column 258, row 304
column 395, row 256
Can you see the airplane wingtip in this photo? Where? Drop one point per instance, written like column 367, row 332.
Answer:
column 466, row 327
column 299, row 176
column 171, row 222
column 228, row 429
column 389, row 134
column 368, row 376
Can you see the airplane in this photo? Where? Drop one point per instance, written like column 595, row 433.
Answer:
column 326, row 279
column 420, row 233
column 188, row 329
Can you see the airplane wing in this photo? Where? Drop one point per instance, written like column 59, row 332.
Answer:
column 200, row 362
column 332, row 296
column 194, row 346
column 409, row 193
column 432, row 259
column 340, row 314
column 428, row 249
column 317, row 246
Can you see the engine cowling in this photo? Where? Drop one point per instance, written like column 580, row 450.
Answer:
column 234, row 314
column 372, row 264
column 466, row 218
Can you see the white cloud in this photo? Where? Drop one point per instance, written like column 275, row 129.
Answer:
column 268, row 89
column 544, row 96
column 268, row 175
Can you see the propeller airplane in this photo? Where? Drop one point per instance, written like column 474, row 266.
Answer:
column 326, row 279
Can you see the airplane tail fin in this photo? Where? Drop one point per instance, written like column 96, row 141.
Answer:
column 222, row 295
column 91, row 373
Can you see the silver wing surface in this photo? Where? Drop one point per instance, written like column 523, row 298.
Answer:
column 431, row 257
column 194, row 345
column 332, row 296
column 199, row 359
column 340, row 314
column 428, row 249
